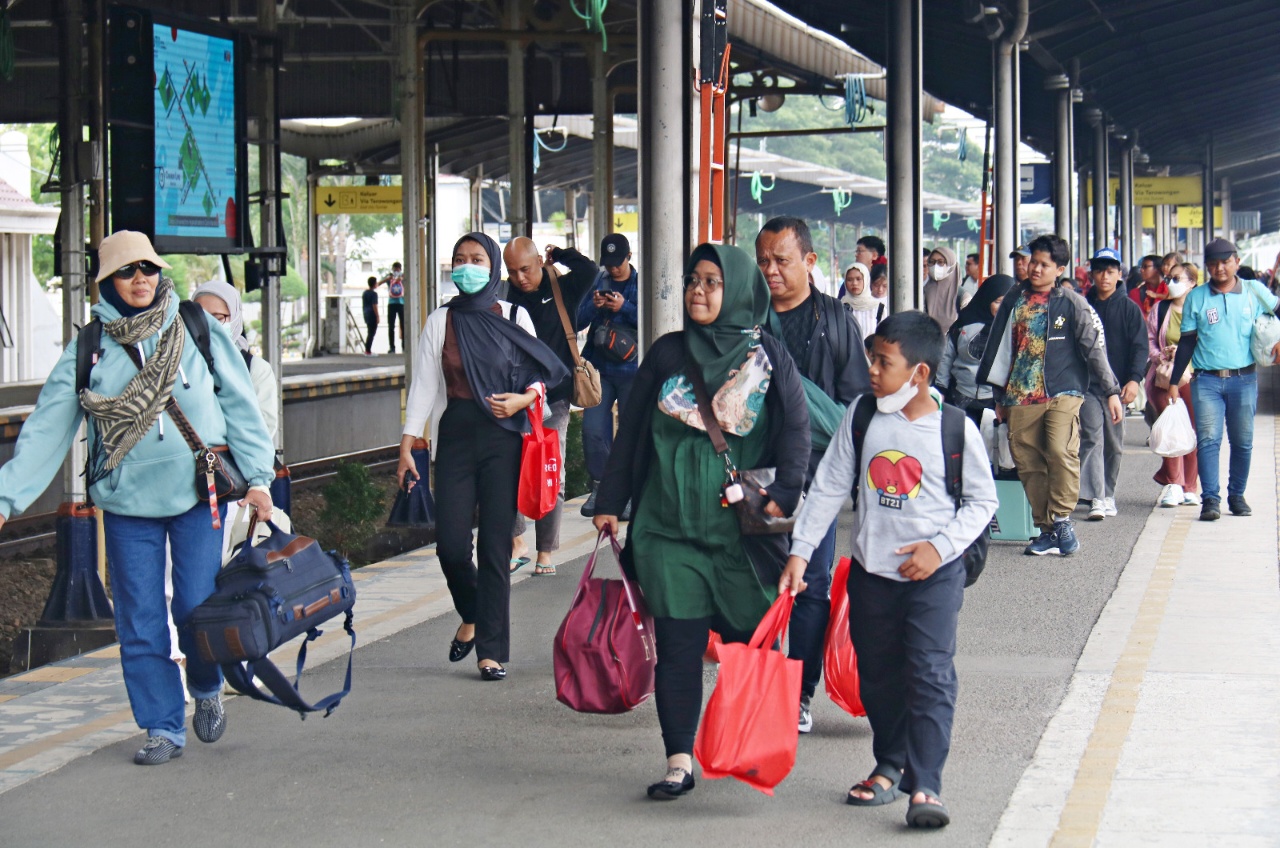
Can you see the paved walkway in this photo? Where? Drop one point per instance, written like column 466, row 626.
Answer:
column 1104, row 700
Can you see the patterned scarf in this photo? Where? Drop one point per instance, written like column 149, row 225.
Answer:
column 123, row 420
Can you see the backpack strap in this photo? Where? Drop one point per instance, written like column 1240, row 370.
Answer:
column 88, row 349
column 511, row 314
column 194, row 316
column 283, row 692
column 953, row 451
column 1162, row 311
column 862, row 415
column 247, row 356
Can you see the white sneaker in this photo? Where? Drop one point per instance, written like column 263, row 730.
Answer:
column 1110, row 505
column 1097, row 509
column 1191, row 499
column 1171, row 495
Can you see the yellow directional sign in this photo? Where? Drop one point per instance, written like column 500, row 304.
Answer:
column 626, row 222
column 357, row 200
column 1158, row 191
column 1190, row 217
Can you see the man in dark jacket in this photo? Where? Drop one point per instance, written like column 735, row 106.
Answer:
column 820, row 334
column 1046, row 345
column 1125, row 334
column 529, row 285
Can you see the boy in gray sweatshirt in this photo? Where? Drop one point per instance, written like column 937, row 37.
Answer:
column 906, row 583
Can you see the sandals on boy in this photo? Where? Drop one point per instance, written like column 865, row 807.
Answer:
column 928, row 814
column 879, row 794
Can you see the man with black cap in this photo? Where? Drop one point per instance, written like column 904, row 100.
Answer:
column 1021, row 257
column 611, row 304
column 1217, row 325
column 1125, row 335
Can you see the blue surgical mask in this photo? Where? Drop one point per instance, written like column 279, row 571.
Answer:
column 470, row 278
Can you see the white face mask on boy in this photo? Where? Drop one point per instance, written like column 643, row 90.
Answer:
column 895, row 401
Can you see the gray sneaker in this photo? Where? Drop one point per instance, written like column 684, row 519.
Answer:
column 588, row 509
column 158, row 750
column 210, row 719
column 806, row 715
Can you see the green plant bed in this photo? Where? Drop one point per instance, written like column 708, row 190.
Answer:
column 576, row 481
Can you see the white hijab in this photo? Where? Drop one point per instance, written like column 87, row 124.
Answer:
column 229, row 295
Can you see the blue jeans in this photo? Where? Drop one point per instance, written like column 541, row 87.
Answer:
column 1233, row 400
column 597, row 423
column 136, row 560
column 811, row 612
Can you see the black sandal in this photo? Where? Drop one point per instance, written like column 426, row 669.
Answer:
column 879, row 794
column 927, row 814
column 669, row 790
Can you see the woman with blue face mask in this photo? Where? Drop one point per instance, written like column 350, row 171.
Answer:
column 477, row 367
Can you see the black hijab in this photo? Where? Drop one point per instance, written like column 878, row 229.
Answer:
column 497, row 354
column 978, row 310
column 107, row 291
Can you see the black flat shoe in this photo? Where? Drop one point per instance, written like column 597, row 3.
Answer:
column 458, row 649
column 669, row 790
column 493, row 672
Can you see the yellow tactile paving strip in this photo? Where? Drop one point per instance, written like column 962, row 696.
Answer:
column 1080, row 818
column 55, row 674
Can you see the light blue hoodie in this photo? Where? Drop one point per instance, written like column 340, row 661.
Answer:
column 156, row 479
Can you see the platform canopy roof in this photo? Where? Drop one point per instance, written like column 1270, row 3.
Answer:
column 1181, row 73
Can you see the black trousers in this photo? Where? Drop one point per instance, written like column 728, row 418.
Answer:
column 477, row 464
column 371, row 329
column 394, row 310
column 905, row 638
column 682, row 642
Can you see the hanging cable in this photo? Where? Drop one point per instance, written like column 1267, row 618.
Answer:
column 593, row 16
column 7, row 48
column 758, row 188
column 539, row 144
column 855, row 100
column 841, row 199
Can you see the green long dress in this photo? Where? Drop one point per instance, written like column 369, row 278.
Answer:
column 687, row 548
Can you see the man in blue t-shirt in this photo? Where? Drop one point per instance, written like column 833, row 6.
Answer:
column 1217, row 326
column 395, row 305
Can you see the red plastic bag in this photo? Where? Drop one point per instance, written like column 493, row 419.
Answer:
column 750, row 729
column 604, row 656
column 839, row 662
column 539, row 467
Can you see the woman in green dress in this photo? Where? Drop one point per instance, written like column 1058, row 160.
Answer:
column 697, row 571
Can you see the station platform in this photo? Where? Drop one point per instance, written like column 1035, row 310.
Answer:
column 1105, row 699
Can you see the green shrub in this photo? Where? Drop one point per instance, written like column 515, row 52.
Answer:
column 353, row 509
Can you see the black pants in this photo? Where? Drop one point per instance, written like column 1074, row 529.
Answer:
column 395, row 310
column 678, row 677
column 905, row 638
column 371, row 329
column 477, row 463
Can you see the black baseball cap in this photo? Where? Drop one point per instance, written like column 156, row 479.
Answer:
column 1219, row 248
column 614, row 250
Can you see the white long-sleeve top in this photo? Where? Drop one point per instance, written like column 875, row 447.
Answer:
column 426, row 399
column 903, row 496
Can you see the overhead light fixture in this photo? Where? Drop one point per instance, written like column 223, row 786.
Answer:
column 773, row 101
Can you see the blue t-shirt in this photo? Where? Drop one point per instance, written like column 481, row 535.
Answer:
column 1223, row 323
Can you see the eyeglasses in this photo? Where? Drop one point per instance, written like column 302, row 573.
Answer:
column 708, row 284
column 126, row 272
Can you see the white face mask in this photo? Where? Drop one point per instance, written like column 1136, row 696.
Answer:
column 1178, row 289
column 939, row 272
column 895, row 402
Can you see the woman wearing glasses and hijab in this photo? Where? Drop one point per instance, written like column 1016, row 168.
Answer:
column 697, row 571
column 476, row 369
column 141, row 475
column 222, row 301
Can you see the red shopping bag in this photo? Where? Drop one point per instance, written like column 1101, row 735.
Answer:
column 749, row 730
column 604, row 656
column 839, row 662
column 539, row 467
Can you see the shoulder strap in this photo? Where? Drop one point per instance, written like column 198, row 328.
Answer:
column 1162, row 311
column 180, row 419
column 704, row 410
column 569, row 334
column 88, row 349
column 862, row 415
column 511, row 314
column 283, row 692
column 193, row 315
column 953, row 451
column 247, row 356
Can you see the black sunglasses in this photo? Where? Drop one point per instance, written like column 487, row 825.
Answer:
column 126, row 272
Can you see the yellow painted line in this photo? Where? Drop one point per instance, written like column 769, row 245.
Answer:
column 26, row 752
column 53, row 674
column 4, row 698
column 1080, row 818
column 110, row 652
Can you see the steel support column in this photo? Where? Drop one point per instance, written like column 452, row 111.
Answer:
column 1083, row 181
column 1101, row 181
column 517, row 137
column 664, row 31
column 1063, row 158
column 902, row 143
column 269, row 197
column 97, row 132
column 315, row 300
column 1007, row 178
column 419, row 280
column 1124, row 204
column 1224, row 201
column 1206, row 194
column 601, row 139
column 71, row 232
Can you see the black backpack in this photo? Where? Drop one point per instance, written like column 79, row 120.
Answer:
column 89, row 343
column 974, row 556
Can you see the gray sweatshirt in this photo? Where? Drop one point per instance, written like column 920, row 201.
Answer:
column 904, row 495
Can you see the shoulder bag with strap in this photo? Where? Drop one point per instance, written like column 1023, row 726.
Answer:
column 742, row 486
column 974, row 556
column 586, row 380
column 1266, row 329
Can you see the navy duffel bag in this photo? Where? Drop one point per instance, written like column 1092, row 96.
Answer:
column 269, row 593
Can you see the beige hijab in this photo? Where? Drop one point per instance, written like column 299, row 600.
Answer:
column 940, row 295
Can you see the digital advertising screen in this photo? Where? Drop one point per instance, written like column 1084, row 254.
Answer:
column 176, row 128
